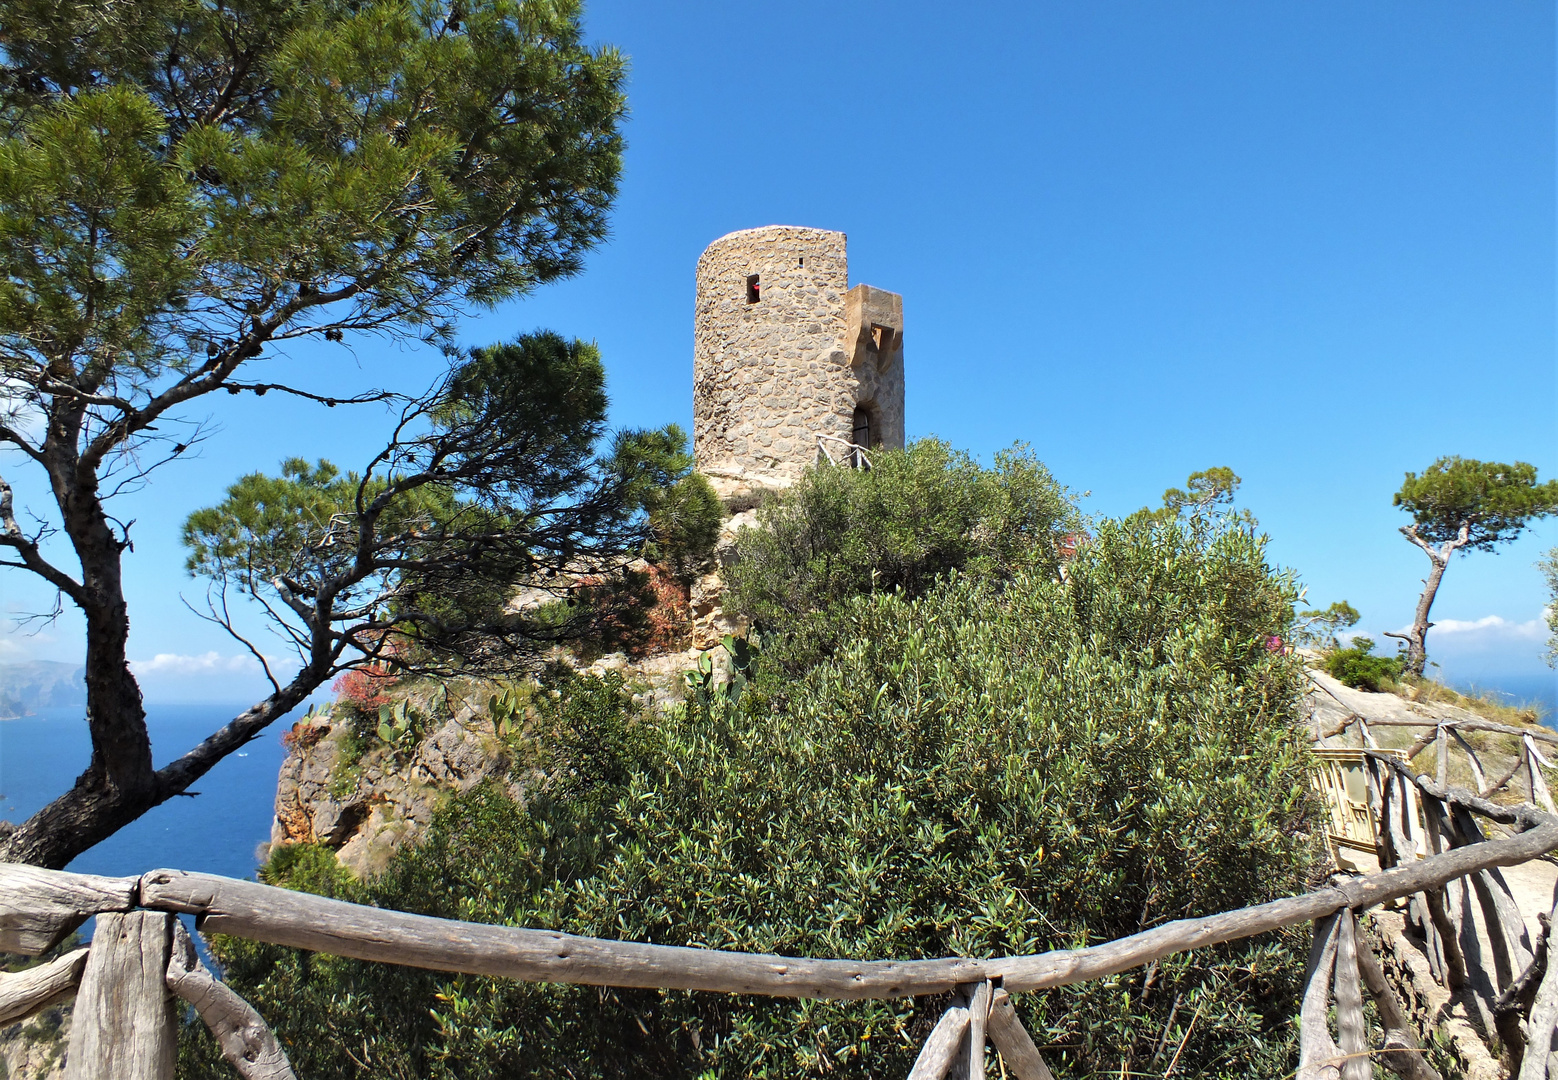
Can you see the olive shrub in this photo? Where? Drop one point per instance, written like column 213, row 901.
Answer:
column 1001, row 765
column 903, row 525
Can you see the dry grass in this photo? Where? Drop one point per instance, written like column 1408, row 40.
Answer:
column 1519, row 714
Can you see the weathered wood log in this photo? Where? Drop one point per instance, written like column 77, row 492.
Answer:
column 38, row 908
column 1473, row 760
column 1507, row 932
column 941, row 1045
column 1379, row 810
column 300, row 920
column 1318, row 1054
column 1504, row 778
column 1423, row 742
column 124, row 1024
column 1470, row 725
column 23, row 993
column 1016, row 1046
column 1400, row 811
column 1446, row 929
column 1523, row 816
column 1447, row 938
column 1351, row 1033
column 1402, row 1054
column 1419, row 916
column 283, row 917
column 1540, row 795
column 1506, row 926
column 1442, row 755
column 1543, row 1019
column 1514, row 1002
column 978, row 1021
column 247, row 1042
column 1057, row 969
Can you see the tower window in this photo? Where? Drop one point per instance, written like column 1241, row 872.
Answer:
column 802, row 262
column 862, row 433
column 752, row 289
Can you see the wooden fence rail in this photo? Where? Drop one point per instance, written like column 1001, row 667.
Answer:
column 38, row 908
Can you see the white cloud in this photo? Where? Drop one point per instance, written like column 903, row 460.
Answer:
column 1489, row 627
column 211, row 663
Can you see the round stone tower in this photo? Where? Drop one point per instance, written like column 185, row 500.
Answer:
column 790, row 365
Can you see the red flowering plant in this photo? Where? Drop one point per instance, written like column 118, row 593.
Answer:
column 366, row 688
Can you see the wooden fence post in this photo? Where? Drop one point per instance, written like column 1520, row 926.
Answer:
column 125, row 1025
column 941, row 1046
column 1318, row 1053
column 1352, row 1035
column 1013, row 1042
column 978, row 1018
column 1401, row 1054
column 1540, row 795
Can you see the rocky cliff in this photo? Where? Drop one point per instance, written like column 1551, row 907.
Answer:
column 342, row 787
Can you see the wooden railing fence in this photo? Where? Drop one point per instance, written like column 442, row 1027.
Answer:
column 140, row 961
column 1440, row 734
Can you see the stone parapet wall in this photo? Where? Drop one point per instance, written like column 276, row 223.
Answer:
column 874, row 342
column 785, row 350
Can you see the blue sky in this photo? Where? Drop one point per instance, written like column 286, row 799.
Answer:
column 1313, row 242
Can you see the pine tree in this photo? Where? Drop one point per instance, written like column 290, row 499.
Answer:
column 1462, row 503
column 184, row 184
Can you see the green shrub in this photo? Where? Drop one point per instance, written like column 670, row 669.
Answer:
column 998, row 767
column 1356, row 666
column 306, row 867
column 918, row 515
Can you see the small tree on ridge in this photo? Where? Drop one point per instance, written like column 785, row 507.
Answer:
column 1462, row 503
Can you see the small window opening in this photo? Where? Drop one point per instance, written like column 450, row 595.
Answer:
column 881, row 337
column 752, row 289
column 862, row 432
column 802, row 261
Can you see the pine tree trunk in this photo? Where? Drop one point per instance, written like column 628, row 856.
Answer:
column 1417, row 637
column 119, row 783
column 1439, row 558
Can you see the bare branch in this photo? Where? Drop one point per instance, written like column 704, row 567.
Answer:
column 1410, row 532
column 260, row 389
column 26, row 548
column 225, row 621
column 17, row 439
column 210, row 376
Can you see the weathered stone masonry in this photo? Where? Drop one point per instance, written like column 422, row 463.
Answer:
column 785, row 351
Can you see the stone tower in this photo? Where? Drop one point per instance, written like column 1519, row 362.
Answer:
column 785, row 351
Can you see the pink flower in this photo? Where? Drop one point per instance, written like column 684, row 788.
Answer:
column 1274, row 643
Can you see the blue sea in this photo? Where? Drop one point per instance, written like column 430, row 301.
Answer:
column 1539, row 690
column 216, row 832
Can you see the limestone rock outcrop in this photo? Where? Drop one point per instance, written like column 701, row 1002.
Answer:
column 365, row 804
